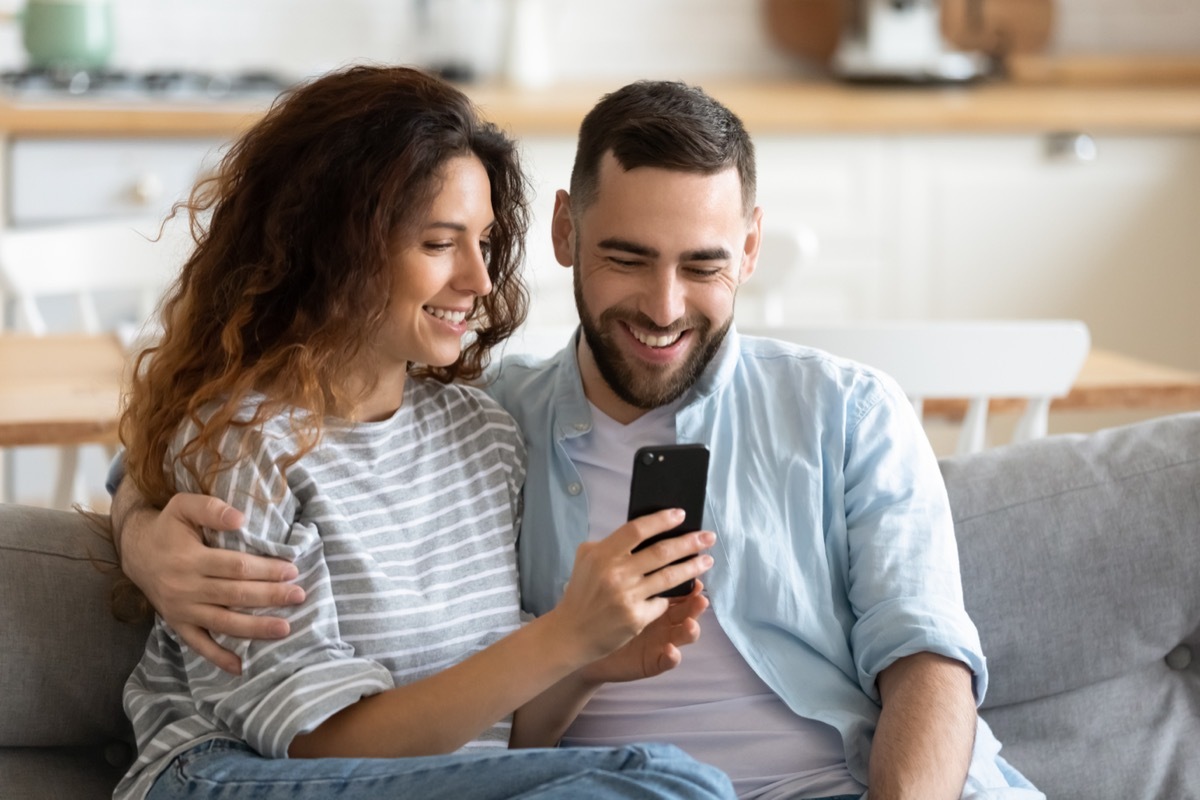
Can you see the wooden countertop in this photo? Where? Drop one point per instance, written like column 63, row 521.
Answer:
column 1039, row 104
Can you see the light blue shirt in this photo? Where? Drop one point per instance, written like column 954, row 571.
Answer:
column 835, row 551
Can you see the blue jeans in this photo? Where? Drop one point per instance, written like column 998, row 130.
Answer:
column 227, row 770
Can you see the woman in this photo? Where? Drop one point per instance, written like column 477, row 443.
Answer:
column 307, row 375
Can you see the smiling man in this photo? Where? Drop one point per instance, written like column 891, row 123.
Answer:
column 838, row 655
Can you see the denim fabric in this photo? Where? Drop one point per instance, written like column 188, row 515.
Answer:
column 223, row 769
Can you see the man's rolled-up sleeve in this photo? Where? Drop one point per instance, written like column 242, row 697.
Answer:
column 905, row 583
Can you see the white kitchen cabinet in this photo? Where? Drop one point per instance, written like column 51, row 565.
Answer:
column 961, row 226
column 59, row 180
column 56, row 181
column 1014, row 226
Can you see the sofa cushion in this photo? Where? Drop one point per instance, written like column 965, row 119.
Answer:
column 1080, row 558
column 65, row 658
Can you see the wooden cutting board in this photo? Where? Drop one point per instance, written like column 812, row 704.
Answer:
column 998, row 27
column 811, row 28
column 806, row 28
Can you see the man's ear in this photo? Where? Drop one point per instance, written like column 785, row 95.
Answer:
column 752, row 245
column 562, row 229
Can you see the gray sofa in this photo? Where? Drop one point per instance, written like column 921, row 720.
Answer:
column 1081, row 567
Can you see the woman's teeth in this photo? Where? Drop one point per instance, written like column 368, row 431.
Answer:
column 449, row 316
column 656, row 341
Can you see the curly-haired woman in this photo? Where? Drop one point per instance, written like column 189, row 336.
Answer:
column 311, row 374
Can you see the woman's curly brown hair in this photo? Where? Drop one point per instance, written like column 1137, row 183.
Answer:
column 290, row 276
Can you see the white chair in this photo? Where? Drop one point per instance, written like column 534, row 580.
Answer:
column 1037, row 360
column 43, row 266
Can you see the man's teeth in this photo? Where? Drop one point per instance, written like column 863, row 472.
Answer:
column 656, row 341
column 449, row 316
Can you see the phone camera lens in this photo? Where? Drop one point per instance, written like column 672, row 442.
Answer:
column 647, row 458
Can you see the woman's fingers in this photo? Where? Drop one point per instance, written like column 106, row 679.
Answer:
column 673, row 549
column 672, row 575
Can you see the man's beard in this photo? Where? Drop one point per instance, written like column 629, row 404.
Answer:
column 642, row 388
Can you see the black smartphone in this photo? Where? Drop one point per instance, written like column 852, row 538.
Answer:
column 670, row 476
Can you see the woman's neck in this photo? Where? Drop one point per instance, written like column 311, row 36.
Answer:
column 380, row 402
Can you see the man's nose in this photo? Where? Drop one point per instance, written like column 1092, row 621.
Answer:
column 663, row 299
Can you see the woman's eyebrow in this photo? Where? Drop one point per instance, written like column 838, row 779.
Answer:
column 454, row 226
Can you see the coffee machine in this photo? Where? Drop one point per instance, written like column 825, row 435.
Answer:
column 902, row 41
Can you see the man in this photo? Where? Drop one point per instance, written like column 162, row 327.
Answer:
column 839, row 655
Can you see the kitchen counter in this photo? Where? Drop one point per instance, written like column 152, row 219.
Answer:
column 768, row 107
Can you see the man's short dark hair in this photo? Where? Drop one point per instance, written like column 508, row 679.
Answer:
column 664, row 124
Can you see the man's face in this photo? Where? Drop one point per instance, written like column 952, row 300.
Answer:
column 658, row 257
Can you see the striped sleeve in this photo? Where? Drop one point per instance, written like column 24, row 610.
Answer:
column 287, row 686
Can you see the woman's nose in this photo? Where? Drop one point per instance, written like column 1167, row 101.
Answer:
column 475, row 274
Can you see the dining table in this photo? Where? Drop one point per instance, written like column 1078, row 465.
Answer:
column 1108, row 381
column 60, row 389
column 66, row 389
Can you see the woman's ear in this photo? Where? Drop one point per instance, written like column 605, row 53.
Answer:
column 562, row 229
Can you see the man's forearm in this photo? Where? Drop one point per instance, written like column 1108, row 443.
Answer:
column 922, row 745
column 126, row 503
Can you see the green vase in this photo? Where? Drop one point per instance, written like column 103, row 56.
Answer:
column 68, row 34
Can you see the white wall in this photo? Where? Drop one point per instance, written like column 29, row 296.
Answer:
column 618, row 39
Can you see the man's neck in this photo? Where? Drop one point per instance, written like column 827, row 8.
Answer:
column 597, row 390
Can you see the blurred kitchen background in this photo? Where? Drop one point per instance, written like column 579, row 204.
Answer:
column 1061, row 181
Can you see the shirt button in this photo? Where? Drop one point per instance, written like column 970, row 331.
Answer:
column 574, row 488
column 581, row 426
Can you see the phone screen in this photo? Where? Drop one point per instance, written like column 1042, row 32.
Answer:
column 670, row 476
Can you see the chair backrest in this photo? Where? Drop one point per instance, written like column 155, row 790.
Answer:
column 1036, row 360
column 80, row 260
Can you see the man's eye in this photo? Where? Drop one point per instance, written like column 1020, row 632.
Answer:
column 623, row 262
column 705, row 272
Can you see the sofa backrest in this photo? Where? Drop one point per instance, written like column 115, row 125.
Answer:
column 1081, row 568
column 64, row 660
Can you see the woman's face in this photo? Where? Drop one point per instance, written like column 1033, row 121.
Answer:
column 438, row 273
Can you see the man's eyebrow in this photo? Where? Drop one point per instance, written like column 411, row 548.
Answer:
column 707, row 254
column 629, row 247
column 704, row 254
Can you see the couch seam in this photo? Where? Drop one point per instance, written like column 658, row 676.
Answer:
column 89, row 559
column 1074, row 489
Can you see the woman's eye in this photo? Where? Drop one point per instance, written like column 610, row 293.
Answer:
column 485, row 247
column 438, row 246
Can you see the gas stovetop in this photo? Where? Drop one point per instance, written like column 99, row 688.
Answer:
column 161, row 85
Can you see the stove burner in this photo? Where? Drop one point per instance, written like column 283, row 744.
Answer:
column 178, row 84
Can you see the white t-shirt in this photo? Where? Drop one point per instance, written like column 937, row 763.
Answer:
column 712, row 705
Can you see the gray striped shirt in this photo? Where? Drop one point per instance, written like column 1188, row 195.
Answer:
column 404, row 534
